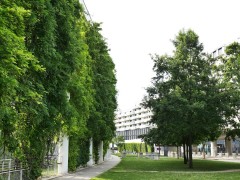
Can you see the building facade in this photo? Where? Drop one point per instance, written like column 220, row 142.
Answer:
column 131, row 124
column 223, row 145
column 219, row 51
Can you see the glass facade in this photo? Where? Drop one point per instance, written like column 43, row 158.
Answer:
column 132, row 134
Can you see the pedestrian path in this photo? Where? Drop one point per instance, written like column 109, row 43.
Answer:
column 229, row 159
column 93, row 171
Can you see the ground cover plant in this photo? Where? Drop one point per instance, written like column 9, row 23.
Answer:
column 170, row 168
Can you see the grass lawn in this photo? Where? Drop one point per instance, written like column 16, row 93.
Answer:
column 168, row 168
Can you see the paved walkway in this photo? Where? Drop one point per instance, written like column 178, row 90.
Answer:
column 90, row 172
column 229, row 159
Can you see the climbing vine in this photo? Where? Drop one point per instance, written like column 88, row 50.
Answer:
column 56, row 77
column 100, row 123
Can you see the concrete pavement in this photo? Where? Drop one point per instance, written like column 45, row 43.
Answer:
column 93, row 171
column 229, row 159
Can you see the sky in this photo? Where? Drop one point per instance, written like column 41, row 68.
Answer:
column 136, row 29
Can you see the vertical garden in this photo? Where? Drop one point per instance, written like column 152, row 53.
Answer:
column 56, row 77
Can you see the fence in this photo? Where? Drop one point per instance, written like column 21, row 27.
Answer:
column 50, row 166
column 11, row 170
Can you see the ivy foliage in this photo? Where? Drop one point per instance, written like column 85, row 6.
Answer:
column 81, row 101
column 22, row 105
column 100, row 123
column 57, row 77
column 50, row 36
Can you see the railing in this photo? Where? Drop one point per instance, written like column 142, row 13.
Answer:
column 154, row 156
column 11, row 170
column 50, row 167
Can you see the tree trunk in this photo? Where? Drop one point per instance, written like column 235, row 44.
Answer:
column 187, row 146
column 152, row 148
column 180, row 151
column 146, row 148
column 203, row 151
column 177, row 152
column 190, row 163
column 184, row 154
column 159, row 150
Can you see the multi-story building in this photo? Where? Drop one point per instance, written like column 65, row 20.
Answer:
column 222, row 144
column 131, row 124
column 219, row 51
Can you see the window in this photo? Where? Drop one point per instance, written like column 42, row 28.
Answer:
column 220, row 51
column 214, row 54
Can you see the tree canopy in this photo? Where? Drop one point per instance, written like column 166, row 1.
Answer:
column 230, row 74
column 186, row 97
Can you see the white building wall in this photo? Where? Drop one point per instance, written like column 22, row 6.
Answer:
column 90, row 162
column 100, row 148
column 135, row 121
column 63, row 155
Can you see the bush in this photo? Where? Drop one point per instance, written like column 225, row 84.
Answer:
column 134, row 147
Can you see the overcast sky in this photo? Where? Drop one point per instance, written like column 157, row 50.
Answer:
column 136, row 28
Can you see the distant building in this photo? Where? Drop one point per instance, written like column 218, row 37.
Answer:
column 223, row 145
column 131, row 124
column 219, row 51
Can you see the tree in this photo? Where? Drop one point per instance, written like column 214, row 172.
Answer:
column 185, row 96
column 119, row 141
column 231, row 79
